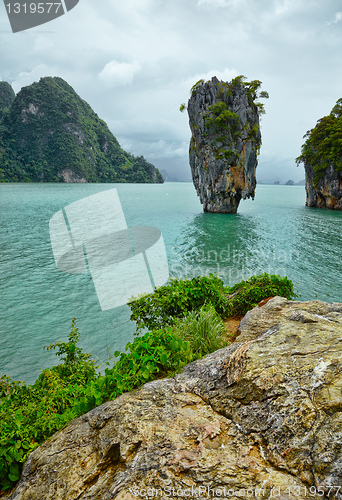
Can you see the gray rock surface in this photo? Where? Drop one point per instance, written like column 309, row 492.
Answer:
column 261, row 418
column 328, row 191
column 224, row 122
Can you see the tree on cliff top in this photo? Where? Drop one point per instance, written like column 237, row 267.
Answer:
column 323, row 145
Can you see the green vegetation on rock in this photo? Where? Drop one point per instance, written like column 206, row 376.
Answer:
column 179, row 297
column 323, row 145
column 184, row 319
column 225, row 141
column 49, row 134
column 7, row 96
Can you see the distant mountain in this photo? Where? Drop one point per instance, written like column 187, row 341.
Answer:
column 167, row 177
column 49, row 134
column 7, row 96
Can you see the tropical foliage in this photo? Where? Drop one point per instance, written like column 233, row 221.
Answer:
column 222, row 124
column 49, row 129
column 179, row 297
column 184, row 321
column 7, row 96
column 323, row 145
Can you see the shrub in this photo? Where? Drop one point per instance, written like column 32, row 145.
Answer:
column 31, row 414
column 247, row 294
column 184, row 318
column 203, row 329
column 176, row 299
column 156, row 354
column 77, row 366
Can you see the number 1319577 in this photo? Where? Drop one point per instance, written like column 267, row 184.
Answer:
column 296, row 491
column 34, row 8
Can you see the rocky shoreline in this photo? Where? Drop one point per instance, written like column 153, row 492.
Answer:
column 260, row 417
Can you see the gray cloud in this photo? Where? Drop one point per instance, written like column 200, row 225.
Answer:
column 135, row 62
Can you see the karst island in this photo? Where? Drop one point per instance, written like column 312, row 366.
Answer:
column 322, row 158
column 225, row 142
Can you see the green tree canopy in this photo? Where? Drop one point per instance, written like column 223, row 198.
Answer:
column 49, row 131
column 323, row 145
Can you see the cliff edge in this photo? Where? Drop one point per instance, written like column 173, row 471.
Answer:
column 226, row 138
column 322, row 158
column 259, row 419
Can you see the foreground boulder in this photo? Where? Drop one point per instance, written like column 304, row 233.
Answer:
column 261, row 418
column 224, row 122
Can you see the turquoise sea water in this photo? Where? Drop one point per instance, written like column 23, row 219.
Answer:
column 275, row 233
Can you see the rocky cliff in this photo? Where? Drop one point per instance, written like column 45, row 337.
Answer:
column 49, row 134
column 326, row 191
column 224, row 122
column 322, row 158
column 259, row 419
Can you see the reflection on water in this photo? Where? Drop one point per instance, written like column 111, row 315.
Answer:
column 216, row 243
column 277, row 235
column 320, row 247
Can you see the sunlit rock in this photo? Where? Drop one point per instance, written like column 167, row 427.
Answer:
column 263, row 414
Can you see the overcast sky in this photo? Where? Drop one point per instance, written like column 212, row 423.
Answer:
column 134, row 62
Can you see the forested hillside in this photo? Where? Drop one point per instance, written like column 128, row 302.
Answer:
column 49, row 134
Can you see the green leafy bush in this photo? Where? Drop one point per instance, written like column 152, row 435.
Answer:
column 176, row 299
column 31, row 414
column 185, row 322
column 77, row 366
column 156, row 354
column 247, row 294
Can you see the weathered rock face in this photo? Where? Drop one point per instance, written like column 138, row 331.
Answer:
column 224, row 122
column 261, row 418
column 327, row 193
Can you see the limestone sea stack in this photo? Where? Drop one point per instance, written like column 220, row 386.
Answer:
column 226, row 138
column 322, row 158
